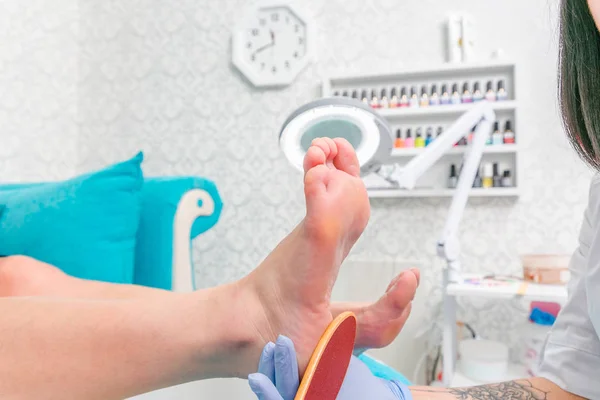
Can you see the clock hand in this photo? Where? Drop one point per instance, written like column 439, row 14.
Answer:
column 266, row 46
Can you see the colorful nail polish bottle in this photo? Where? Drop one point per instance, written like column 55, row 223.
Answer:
column 374, row 99
column 455, row 98
column 384, row 102
column 429, row 136
column 453, row 178
column 497, row 137
column 393, row 98
column 403, row 98
column 496, row 178
column 419, row 141
column 424, row 97
column 488, row 176
column 477, row 181
column 364, row 97
column 507, row 179
column 477, row 95
column 501, row 94
column 472, row 134
column 414, row 98
column 466, row 96
column 445, row 99
column 490, row 95
column 490, row 138
column 399, row 143
column 509, row 135
column 354, row 94
column 409, row 141
column 434, row 99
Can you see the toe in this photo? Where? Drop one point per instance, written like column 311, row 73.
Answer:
column 314, row 156
column 346, row 159
column 399, row 294
column 316, row 180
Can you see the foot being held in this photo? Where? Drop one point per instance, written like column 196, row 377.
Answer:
column 294, row 283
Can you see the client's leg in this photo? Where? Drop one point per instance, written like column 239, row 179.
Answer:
column 25, row 276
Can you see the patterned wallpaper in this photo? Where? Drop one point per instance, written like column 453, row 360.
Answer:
column 85, row 83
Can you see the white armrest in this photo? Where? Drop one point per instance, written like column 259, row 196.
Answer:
column 188, row 210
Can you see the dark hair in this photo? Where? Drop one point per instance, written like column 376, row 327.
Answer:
column 579, row 80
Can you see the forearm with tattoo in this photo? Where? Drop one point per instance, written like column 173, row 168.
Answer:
column 524, row 389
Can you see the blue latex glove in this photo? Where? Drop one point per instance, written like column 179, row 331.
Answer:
column 277, row 378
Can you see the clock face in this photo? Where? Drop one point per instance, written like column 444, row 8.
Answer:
column 272, row 45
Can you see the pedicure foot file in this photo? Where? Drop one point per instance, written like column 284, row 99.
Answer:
column 329, row 362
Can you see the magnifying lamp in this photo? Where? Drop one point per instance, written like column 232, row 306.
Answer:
column 371, row 137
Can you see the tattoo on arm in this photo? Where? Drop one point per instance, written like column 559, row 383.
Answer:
column 513, row 390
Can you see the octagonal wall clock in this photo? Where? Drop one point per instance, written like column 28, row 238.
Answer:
column 273, row 42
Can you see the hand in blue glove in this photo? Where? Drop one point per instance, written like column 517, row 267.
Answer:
column 277, row 377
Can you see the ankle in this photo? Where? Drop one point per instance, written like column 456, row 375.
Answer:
column 229, row 344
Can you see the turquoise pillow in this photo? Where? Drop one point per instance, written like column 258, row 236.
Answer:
column 86, row 226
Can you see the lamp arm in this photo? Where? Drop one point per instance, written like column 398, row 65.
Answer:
column 406, row 177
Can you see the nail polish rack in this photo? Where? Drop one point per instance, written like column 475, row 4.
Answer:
column 425, row 105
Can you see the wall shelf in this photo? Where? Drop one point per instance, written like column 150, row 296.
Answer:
column 532, row 291
column 450, row 109
column 424, row 193
column 491, row 149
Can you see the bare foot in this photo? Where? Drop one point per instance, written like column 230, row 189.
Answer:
column 379, row 323
column 294, row 283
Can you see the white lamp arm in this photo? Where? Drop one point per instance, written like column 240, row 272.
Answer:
column 406, row 177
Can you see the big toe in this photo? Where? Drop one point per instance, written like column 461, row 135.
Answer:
column 346, row 159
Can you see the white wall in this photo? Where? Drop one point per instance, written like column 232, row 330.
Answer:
column 39, row 56
column 156, row 76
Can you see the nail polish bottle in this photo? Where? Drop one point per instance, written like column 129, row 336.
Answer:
column 477, row 181
column 466, row 96
column 399, row 143
column 393, row 98
column 414, row 99
column 424, row 97
column 445, row 98
column 477, row 95
column 501, row 93
column 345, row 94
column 490, row 95
column 429, row 136
column 409, row 141
column 507, row 179
column 496, row 129
column 488, row 176
column 403, row 98
column 453, row 178
column 509, row 135
column 354, row 94
column 472, row 134
column 374, row 100
column 496, row 178
column 434, row 99
column 455, row 98
column 419, row 141
column 497, row 137
column 364, row 97
column 384, row 102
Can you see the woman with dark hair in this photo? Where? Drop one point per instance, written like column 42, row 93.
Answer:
column 570, row 365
